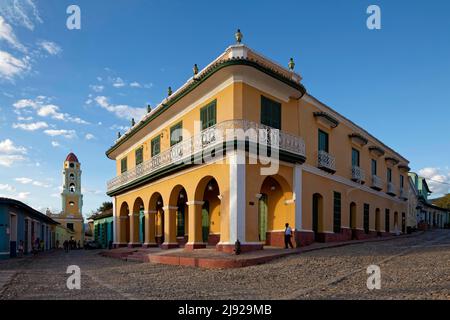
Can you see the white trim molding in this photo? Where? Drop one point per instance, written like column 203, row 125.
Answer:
column 195, row 202
column 237, row 198
column 298, row 175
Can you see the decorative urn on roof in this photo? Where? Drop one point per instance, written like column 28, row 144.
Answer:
column 169, row 91
column 195, row 69
column 291, row 64
column 238, row 35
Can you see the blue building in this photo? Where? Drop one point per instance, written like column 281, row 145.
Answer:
column 103, row 227
column 21, row 225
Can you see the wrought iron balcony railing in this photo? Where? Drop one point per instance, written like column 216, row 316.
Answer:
column 391, row 189
column 377, row 183
column 215, row 136
column 326, row 161
column 358, row 174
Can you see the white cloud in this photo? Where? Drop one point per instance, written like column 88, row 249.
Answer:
column 97, row 88
column 7, row 34
column 8, row 147
column 23, row 195
column 121, row 111
column 24, row 180
column 11, row 67
column 135, row 84
column 30, row 126
column 69, row 134
column 117, row 127
column 438, row 179
column 9, row 160
column 20, row 12
column 51, row 47
column 44, row 109
column 89, row 136
column 55, row 144
column 118, row 82
column 20, row 118
column 7, row 187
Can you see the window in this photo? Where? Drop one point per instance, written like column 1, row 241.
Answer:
column 389, row 175
column 139, row 155
column 402, row 182
column 374, row 167
column 70, row 226
column 270, row 113
column 386, row 220
column 71, row 165
column 72, row 176
column 337, row 213
column 208, row 115
column 156, row 146
column 366, row 217
column 323, row 141
column 72, row 187
column 123, row 165
column 176, row 134
column 355, row 157
column 71, row 203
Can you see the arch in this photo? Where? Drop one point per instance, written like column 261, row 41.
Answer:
column 137, row 222
column 178, row 198
column 155, row 225
column 378, row 221
column 273, row 213
column 124, row 224
column 317, row 214
column 72, row 187
column 210, row 210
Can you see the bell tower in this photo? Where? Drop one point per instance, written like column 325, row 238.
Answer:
column 72, row 199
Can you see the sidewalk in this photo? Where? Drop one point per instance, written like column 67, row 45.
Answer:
column 211, row 258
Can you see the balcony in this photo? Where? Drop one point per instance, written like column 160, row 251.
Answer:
column 403, row 194
column 377, row 183
column 391, row 189
column 358, row 174
column 326, row 162
column 209, row 140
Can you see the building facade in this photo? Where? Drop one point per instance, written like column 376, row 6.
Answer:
column 241, row 149
column 21, row 225
column 103, row 228
column 71, row 216
column 426, row 214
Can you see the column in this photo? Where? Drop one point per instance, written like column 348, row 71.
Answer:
column 134, row 229
column 150, row 229
column 170, row 227
column 195, row 239
column 237, row 198
column 115, row 234
column 298, row 173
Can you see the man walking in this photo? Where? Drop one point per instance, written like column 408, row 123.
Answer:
column 287, row 237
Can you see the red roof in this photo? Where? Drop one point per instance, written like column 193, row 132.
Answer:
column 71, row 157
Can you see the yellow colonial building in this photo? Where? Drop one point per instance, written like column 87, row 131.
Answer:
column 71, row 217
column 241, row 149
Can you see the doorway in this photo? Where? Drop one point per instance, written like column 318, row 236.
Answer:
column 262, row 217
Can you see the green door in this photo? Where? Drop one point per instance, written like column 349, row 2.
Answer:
column 262, row 208
column 205, row 221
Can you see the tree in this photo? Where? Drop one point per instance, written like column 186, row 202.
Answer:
column 443, row 202
column 105, row 206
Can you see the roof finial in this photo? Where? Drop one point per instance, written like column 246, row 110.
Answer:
column 169, row 91
column 195, row 69
column 132, row 122
column 238, row 35
column 149, row 108
column 291, row 64
column 118, row 135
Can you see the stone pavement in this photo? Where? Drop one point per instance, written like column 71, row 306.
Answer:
column 411, row 268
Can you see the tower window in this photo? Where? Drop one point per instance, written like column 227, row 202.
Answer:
column 71, row 203
column 72, row 187
column 71, row 165
column 72, row 176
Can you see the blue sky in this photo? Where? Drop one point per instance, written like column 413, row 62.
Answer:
column 67, row 90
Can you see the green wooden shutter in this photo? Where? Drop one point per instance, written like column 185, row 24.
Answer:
column 323, row 141
column 205, row 221
column 176, row 135
column 139, row 155
column 156, row 146
column 270, row 113
column 123, row 165
column 337, row 213
column 208, row 115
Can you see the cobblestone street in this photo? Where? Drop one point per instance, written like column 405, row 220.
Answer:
column 411, row 268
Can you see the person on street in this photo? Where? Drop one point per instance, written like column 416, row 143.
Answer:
column 287, row 236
